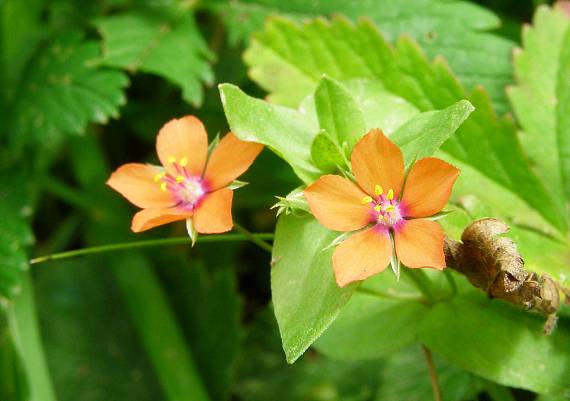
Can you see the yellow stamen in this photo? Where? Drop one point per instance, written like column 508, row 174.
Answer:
column 159, row 176
column 390, row 195
column 366, row 199
column 378, row 190
column 380, row 218
column 390, row 208
column 171, row 159
column 163, row 186
column 183, row 162
column 377, row 208
column 180, row 179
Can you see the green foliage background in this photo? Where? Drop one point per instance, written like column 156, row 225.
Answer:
column 85, row 86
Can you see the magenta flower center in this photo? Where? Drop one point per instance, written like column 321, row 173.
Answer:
column 188, row 190
column 385, row 210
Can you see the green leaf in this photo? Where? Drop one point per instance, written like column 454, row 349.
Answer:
column 287, row 132
column 325, row 153
column 503, row 344
column 63, row 91
column 158, row 43
column 454, row 29
column 284, row 53
column 13, row 382
column 305, row 295
column 338, row 113
column 380, row 319
column 540, row 95
column 424, row 134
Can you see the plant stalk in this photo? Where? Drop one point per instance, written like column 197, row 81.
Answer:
column 432, row 374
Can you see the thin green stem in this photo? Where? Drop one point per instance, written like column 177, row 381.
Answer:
column 151, row 243
column 253, row 238
column 405, row 296
column 432, row 374
column 451, row 282
column 422, row 282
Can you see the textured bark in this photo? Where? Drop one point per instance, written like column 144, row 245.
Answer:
column 492, row 263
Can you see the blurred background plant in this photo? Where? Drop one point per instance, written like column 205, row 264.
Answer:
column 85, row 86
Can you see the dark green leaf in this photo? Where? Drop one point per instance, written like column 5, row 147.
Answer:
column 325, row 153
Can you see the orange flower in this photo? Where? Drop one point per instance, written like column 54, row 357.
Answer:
column 189, row 186
column 391, row 210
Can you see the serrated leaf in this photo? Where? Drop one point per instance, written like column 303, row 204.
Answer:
column 540, row 97
column 454, row 29
column 63, row 91
column 160, row 44
column 338, row 112
column 424, row 133
column 305, row 295
column 287, row 52
column 325, row 153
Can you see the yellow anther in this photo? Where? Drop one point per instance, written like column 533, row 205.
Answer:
column 183, row 162
column 390, row 208
column 163, row 186
column 180, row 179
column 159, row 176
column 172, row 159
column 390, row 194
column 366, row 199
column 378, row 190
column 378, row 208
column 380, row 218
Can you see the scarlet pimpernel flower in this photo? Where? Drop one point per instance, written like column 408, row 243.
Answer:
column 189, row 185
column 387, row 207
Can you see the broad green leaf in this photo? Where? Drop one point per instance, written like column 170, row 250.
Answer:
column 13, row 381
column 499, row 342
column 454, row 29
column 305, row 295
column 158, row 43
column 325, row 153
column 540, row 95
column 338, row 113
column 62, row 92
column 380, row 319
column 287, row 52
column 424, row 134
column 287, row 132
column 563, row 114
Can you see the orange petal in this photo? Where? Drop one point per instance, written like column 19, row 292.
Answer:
column 186, row 140
column 378, row 161
column 136, row 183
column 428, row 187
column 336, row 202
column 150, row 218
column 214, row 214
column 230, row 159
column 419, row 243
column 361, row 256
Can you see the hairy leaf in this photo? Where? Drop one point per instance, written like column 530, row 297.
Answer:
column 160, row 44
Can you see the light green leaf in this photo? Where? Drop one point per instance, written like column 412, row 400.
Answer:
column 289, row 133
column 540, row 93
column 285, row 52
column 325, row 153
column 424, row 134
column 338, row 113
column 160, row 44
column 63, row 91
column 454, row 29
column 305, row 295
column 380, row 318
column 563, row 113
column 503, row 344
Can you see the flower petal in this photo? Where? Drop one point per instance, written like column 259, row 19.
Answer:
column 336, row 202
column 184, row 139
column 150, row 218
column 136, row 183
column 419, row 243
column 361, row 256
column 378, row 161
column 230, row 159
column 428, row 187
column 214, row 214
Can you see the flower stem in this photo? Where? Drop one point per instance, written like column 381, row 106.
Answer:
column 253, row 238
column 451, row 282
column 405, row 296
column 422, row 282
column 151, row 243
column 432, row 374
